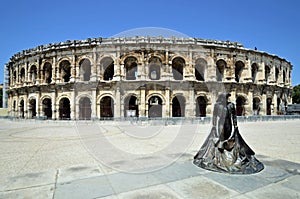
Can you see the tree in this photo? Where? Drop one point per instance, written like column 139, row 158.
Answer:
column 1, row 90
column 296, row 94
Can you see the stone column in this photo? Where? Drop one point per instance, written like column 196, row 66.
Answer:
column 53, row 80
column 263, row 105
column 117, row 103
column 274, row 103
column 26, row 80
column 211, row 69
column 167, row 107
column 190, row 104
column 94, row 67
column 261, row 73
column 39, row 105
column 73, row 105
column 73, row 66
column 142, row 105
column 247, row 70
column 94, row 104
column 53, row 104
column 249, row 105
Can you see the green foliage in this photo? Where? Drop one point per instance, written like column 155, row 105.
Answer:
column 0, row 97
column 296, row 94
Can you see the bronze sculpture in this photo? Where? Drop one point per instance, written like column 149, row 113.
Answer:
column 224, row 150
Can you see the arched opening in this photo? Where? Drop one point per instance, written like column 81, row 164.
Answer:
column 276, row 74
column 284, row 77
column 106, row 107
column 32, row 108
column 178, row 106
column 239, row 67
column 21, row 108
column 278, row 106
column 154, row 68
column 130, row 65
column 85, row 69
column 240, row 106
column 131, row 107
column 65, row 70
column 47, row 108
column 85, row 110
column 107, row 65
column 256, row 106
column 22, row 75
column 14, row 105
column 155, row 107
column 267, row 73
column 33, row 74
column 254, row 69
column 14, row 77
column 177, row 68
column 64, row 109
column 221, row 65
column 47, row 72
column 201, row 106
column 269, row 106
column 200, row 67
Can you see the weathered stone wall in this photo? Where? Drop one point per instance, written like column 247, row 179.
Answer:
column 180, row 77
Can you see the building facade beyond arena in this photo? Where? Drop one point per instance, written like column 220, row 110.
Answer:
column 144, row 77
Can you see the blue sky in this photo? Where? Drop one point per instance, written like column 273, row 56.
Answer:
column 272, row 26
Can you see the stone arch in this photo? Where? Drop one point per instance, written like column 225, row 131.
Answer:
column 239, row 67
column 155, row 106
column 106, row 106
column 137, row 56
column 47, row 72
column 33, row 73
column 32, row 107
column 254, row 70
column 65, row 70
column 131, row 106
column 64, row 108
column 22, row 75
column 85, row 68
column 15, row 76
column 220, row 69
column 107, row 68
column 155, row 65
column 47, row 106
column 131, row 68
column 240, row 105
column 269, row 105
column 85, row 107
column 276, row 74
column 256, row 105
column 178, row 106
column 22, row 108
column 284, row 77
column 200, row 68
column 201, row 106
column 178, row 65
column 267, row 73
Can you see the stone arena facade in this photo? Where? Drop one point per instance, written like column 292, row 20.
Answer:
column 105, row 78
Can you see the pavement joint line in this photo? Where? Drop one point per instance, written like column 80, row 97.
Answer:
column 24, row 188
column 55, row 183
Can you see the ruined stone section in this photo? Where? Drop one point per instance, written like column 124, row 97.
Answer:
column 107, row 78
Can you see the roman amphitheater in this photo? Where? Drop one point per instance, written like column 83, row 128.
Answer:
column 144, row 77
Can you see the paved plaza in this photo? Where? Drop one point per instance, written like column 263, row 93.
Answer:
column 139, row 159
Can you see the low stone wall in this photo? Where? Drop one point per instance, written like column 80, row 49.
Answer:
column 3, row 112
column 163, row 121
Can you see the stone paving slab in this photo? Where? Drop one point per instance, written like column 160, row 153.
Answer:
column 57, row 165
column 28, row 180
